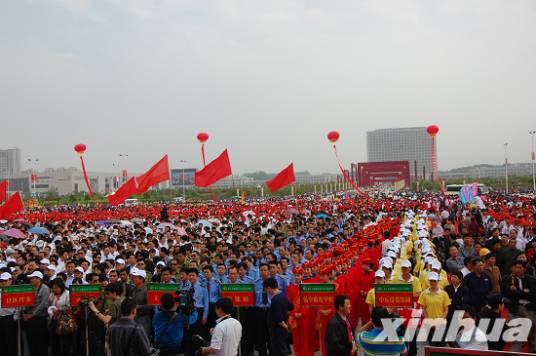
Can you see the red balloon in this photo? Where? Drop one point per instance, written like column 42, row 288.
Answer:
column 202, row 137
column 333, row 136
column 80, row 148
column 432, row 130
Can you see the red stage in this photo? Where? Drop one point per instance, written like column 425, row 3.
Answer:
column 372, row 173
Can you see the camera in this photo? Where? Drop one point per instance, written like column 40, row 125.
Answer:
column 185, row 299
column 198, row 342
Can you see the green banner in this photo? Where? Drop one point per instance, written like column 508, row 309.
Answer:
column 237, row 288
column 390, row 288
column 162, row 287
column 27, row 288
column 85, row 288
column 317, row 288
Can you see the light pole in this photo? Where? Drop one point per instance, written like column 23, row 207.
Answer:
column 33, row 175
column 506, row 166
column 182, row 162
column 533, row 159
column 123, row 156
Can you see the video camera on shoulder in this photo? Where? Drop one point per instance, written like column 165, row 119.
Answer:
column 185, row 299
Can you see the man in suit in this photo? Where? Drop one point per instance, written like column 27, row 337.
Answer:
column 340, row 338
column 520, row 291
column 457, row 292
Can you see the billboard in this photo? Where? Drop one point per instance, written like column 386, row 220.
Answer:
column 177, row 176
column 373, row 173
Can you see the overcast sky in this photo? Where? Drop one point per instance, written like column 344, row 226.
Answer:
column 266, row 79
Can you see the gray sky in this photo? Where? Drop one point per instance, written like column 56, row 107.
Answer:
column 266, row 79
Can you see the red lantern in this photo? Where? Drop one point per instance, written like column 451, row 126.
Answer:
column 202, row 137
column 432, row 130
column 80, row 148
column 333, row 136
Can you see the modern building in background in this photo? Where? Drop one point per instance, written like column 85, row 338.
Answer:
column 487, row 171
column 10, row 162
column 412, row 144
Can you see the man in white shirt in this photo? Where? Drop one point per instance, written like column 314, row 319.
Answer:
column 227, row 332
column 471, row 337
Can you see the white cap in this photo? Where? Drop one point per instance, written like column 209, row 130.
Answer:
column 405, row 264
column 436, row 265
column 79, row 269
column 387, row 264
column 36, row 274
column 161, row 263
column 44, row 261
column 120, row 261
column 391, row 254
column 379, row 274
column 51, row 267
column 432, row 276
column 5, row 276
column 138, row 272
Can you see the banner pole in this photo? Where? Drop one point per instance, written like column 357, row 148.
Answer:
column 19, row 339
column 240, row 343
column 87, row 332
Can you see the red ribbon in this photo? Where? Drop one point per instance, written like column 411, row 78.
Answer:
column 346, row 175
column 85, row 176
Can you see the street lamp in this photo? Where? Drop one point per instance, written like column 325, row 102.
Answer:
column 182, row 162
column 33, row 170
column 506, row 166
column 533, row 159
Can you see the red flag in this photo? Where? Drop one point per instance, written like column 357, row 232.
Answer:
column 157, row 174
column 12, row 205
column 214, row 171
column 3, row 191
column 282, row 179
column 124, row 192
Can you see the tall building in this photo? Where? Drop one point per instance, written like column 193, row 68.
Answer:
column 10, row 162
column 403, row 144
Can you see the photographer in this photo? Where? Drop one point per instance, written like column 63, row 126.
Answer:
column 227, row 332
column 126, row 337
column 112, row 311
column 168, row 326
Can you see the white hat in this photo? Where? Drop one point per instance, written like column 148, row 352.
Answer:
column 5, row 276
column 387, row 264
column 161, row 263
column 51, row 267
column 120, row 261
column 138, row 272
column 391, row 253
column 405, row 264
column 436, row 265
column 379, row 274
column 36, row 274
column 432, row 276
column 45, row 261
column 79, row 269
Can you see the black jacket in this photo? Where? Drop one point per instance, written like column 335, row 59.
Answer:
column 337, row 343
column 457, row 298
column 513, row 296
column 127, row 338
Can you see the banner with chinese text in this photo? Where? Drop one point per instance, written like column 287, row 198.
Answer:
column 155, row 291
column 317, row 294
column 84, row 291
column 18, row 296
column 242, row 295
column 394, row 295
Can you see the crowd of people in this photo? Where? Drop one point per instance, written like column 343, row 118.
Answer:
column 479, row 259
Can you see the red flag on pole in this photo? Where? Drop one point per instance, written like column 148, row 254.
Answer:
column 214, row 171
column 3, row 191
column 124, row 192
column 282, row 179
column 12, row 205
column 157, row 174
